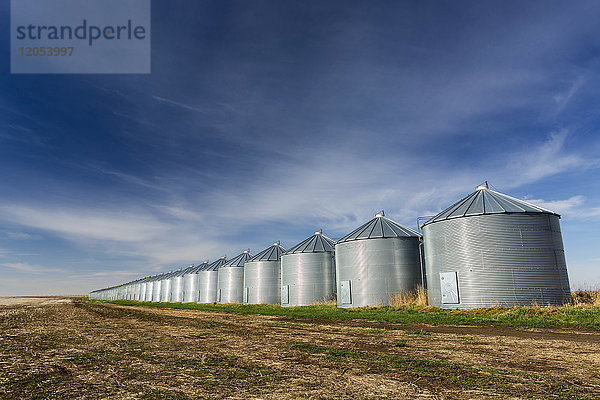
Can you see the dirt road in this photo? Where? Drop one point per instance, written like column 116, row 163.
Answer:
column 77, row 349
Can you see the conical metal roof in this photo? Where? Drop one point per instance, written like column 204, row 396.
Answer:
column 167, row 275
column 215, row 265
column 272, row 253
column 180, row 272
column 239, row 260
column 202, row 266
column 193, row 269
column 317, row 243
column 484, row 201
column 379, row 227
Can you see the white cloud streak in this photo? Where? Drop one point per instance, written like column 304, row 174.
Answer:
column 30, row 268
column 548, row 159
column 178, row 104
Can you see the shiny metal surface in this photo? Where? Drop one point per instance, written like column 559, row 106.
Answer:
column 156, row 289
column 149, row 287
column 142, row 292
column 190, row 283
column 262, row 276
column 231, row 285
column 136, row 291
column 377, row 228
column 373, row 270
column 207, row 286
column 499, row 259
column 190, row 288
column 176, row 289
column 308, row 278
column 165, row 290
column 262, row 281
column 208, row 281
column 484, row 201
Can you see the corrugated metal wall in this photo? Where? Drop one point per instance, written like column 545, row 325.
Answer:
column 499, row 259
column 370, row 271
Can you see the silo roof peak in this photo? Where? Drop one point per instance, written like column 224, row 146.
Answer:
column 317, row 243
column 239, row 260
column 484, row 201
column 272, row 253
column 378, row 228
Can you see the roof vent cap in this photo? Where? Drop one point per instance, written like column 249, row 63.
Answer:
column 484, row 185
column 381, row 214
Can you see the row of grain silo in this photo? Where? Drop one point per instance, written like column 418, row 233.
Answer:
column 488, row 249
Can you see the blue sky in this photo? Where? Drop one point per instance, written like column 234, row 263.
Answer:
column 267, row 120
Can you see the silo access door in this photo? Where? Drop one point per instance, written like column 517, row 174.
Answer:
column 449, row 287
column 345, row 292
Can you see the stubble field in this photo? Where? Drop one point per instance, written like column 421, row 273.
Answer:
column 74, row 348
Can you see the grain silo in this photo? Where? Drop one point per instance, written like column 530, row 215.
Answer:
column 262, row 277
column 126, row 291
column 165, row 288
column 208, row 281
column 231, row 279
column 156, row 287
column 177, row 285
column 375, row 262
column 308, row 272
column 149, row 287
column 491, row 249
column 190, row 283
column 137, row 288
column 142, row 290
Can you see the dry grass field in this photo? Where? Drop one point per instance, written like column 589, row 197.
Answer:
column 73, row 348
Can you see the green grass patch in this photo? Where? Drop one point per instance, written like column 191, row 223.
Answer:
column 517, row 317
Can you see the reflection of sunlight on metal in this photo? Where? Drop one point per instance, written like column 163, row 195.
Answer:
column 491, row 249
column 308, row 272
column 231, row 279
column 262, row 276
column 375, row 261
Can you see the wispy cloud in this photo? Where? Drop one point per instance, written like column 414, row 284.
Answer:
column 563, row 99
column 548, row 159
column 21, row 236
column 573, row 207
column 30, row 268
column 86, row 223
column 178, row 104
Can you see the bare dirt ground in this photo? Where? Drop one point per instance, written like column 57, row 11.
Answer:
column 76, row 349
column 29, row 300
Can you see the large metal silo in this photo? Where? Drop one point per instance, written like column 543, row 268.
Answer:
column 491, row 249
column 165, row 288
column 308, row 272
column 142, row 291
column 136, row 290
column 157, row 287
column 376, row 261
column 177, row 285
column 149, row 287
column 208, row 281
column 127, row 291
column 262, row 277
column 190, row 284
column 231, row 279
